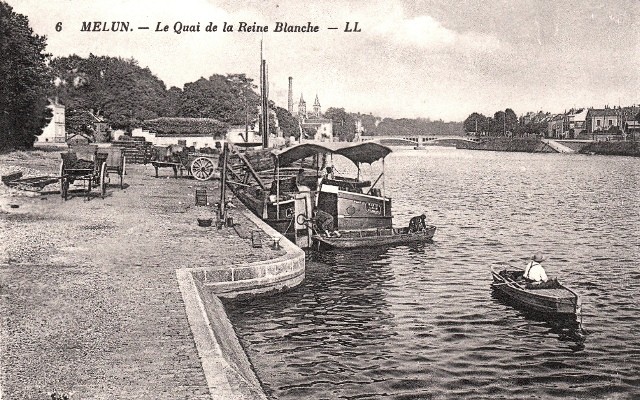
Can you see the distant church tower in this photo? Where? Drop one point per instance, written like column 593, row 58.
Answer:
column 290, row 105
column 316, row 107
column 302, row 108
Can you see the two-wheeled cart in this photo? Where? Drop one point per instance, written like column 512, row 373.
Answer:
column 116, row 163
column 91, row 170
column 202, row 166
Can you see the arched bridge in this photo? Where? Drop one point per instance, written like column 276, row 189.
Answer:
column 416, row 140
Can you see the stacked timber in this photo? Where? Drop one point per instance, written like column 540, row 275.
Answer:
column 135, row 148
column 260, row 159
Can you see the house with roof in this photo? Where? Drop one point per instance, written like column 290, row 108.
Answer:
column 631, row 129
column 558, row 126
column 577, row 122
column 601, row 120
column 201, row 133
column 54, row 132
column 84, row 127
column 196, row 132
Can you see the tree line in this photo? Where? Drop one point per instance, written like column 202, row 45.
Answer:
column 409, row 127
column 25, row 80
column 503, row 123
column 125, row 95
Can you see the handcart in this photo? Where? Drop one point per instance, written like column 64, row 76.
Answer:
column 116, row 162
column 91, row 170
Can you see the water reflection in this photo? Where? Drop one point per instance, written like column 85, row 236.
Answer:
column 420, row 321
column 327, row 331
column 565, row 328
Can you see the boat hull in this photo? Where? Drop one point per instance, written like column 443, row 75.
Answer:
column 559, row 301
column 279, row 216
column 375, row 238
column 355, row 211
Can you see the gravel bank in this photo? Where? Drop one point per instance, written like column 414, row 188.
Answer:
column 88, row 293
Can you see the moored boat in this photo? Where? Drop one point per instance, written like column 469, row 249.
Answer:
column 272, row 186
column 375, row 238
column 557, row 301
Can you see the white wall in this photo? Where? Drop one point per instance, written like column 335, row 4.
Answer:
column 196, row 141
column 55, row 131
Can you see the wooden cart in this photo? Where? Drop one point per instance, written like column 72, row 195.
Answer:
column 201, row 166
column 86, row 165
column 116, row 162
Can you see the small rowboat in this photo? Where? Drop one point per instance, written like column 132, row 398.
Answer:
column 559, row 301
column 375, row 238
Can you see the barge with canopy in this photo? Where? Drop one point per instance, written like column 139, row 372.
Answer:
column 282, row 186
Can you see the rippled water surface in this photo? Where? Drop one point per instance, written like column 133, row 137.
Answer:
column 422, row 322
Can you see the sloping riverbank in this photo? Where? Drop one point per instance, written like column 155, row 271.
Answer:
column 612, row 148
column 536, row 145
column 508, row 144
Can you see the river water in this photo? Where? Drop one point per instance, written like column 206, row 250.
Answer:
column 421, row 322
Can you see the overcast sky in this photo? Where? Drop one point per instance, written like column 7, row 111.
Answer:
column 431, row 58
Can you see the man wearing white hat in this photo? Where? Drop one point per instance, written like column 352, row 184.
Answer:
column 534, row 271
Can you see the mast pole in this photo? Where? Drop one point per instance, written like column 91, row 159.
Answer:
column 264, row 100
column 384, row 191
column 277, row 188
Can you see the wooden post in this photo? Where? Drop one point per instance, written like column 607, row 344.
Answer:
column 277, row 188
column 223, row 182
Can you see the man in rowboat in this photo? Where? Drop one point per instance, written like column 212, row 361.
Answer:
column 418, row 224
column 535, row 274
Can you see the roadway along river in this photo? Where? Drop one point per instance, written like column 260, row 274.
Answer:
column 421, row 322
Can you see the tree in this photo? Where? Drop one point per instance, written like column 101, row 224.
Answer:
column 498, row 127
column 79, row 123
column 368, row 123
column 511, row 121
column 173, row 101
column 288, row 123
column 229, row 99
column 475, row 123
column 344, row 125
column 309, row 132
column 24, row 81
column 115, row 88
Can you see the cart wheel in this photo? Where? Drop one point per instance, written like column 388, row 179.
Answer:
column 62, row 181
column 202, row 168
column 103, row 179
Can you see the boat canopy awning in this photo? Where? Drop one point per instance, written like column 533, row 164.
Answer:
column 367, row 152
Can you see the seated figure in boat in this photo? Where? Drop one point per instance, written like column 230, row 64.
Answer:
column 535, row 275
column 301, row 181
column 418, row 224
column 323, row 223
column 328, row 173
